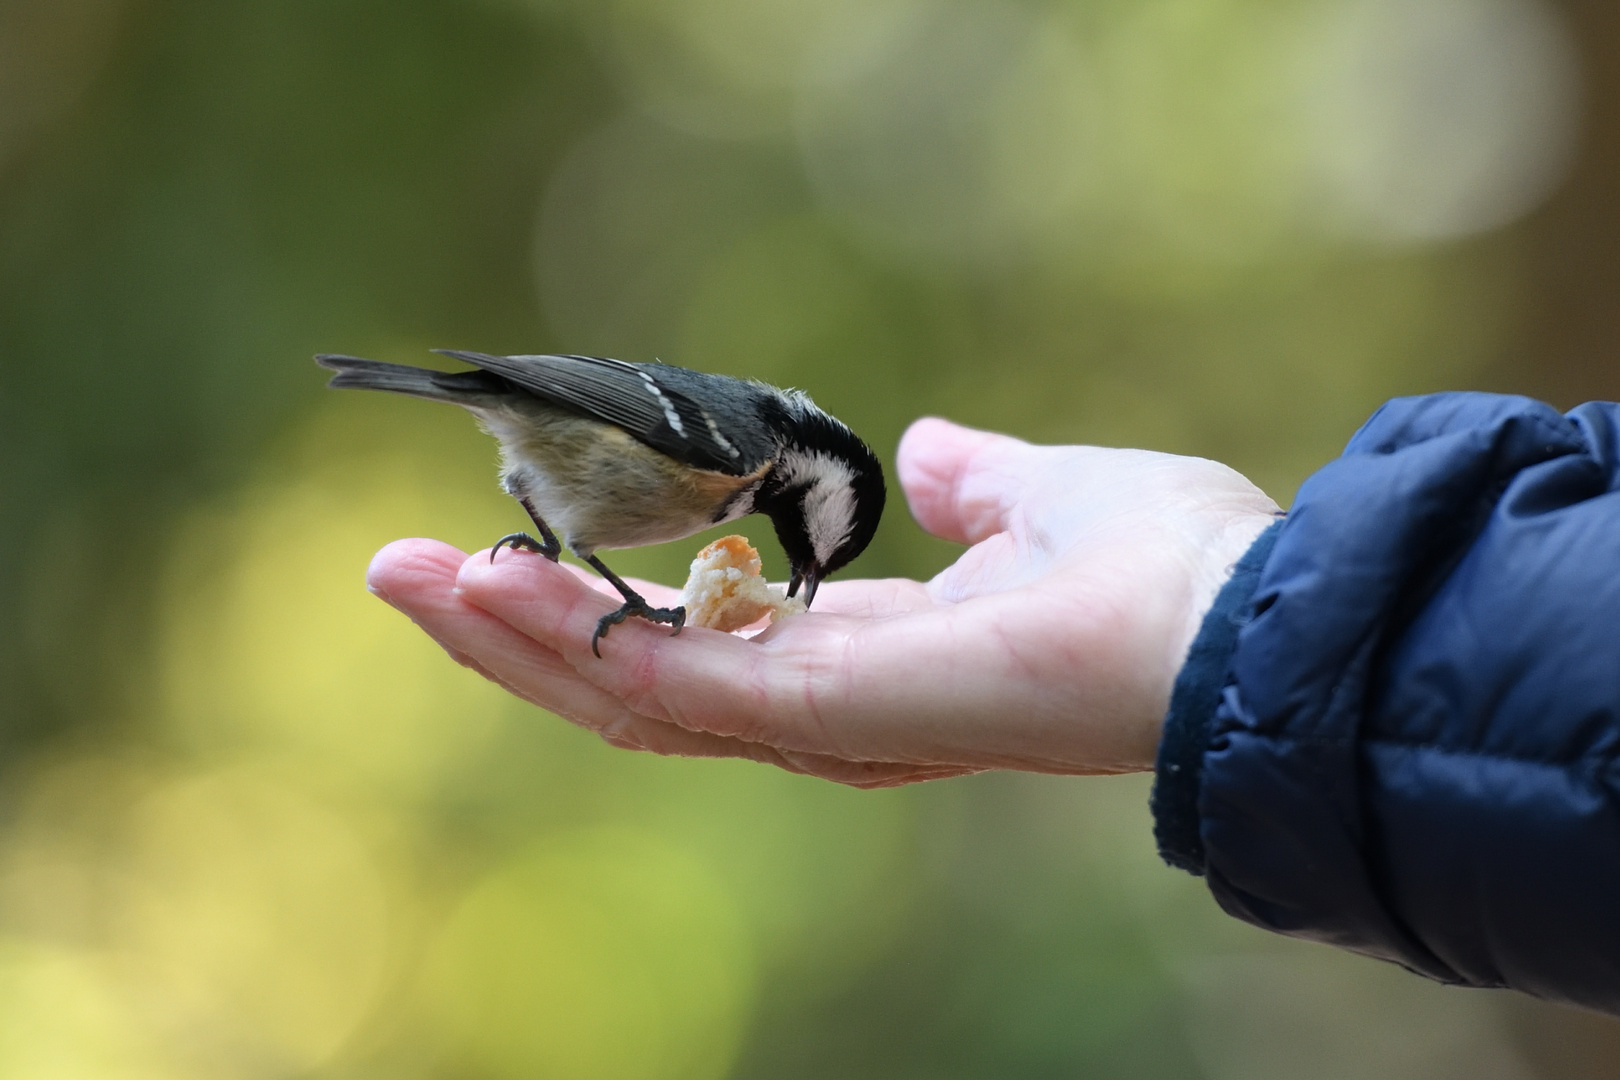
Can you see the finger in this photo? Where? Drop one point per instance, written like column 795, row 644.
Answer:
column 872, row 774
column 633, row 732
column 651, row 591
column 417, row 577
column 817, row 683
column 411, row 567
column 858, row 774
column 943, row 688
column 867, row 598
column 960, row 482
column 560, row 612
column 870, row 598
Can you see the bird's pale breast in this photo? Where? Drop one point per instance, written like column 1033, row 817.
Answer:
column 597, row 487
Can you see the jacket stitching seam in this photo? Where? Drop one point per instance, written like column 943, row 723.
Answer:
column 1604, row 761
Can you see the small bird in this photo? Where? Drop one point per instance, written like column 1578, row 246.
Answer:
column 610, row 454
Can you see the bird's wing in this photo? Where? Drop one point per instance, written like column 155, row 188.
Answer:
column 629, row 396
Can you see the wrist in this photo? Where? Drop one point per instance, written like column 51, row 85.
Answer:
column 1193, row 700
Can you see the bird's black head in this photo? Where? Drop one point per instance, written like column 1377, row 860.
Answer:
column 824, row 495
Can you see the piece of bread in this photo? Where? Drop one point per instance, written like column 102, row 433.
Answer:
column 725, row 592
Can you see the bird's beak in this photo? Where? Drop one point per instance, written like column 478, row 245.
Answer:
column 809, row 577
column 812, row 578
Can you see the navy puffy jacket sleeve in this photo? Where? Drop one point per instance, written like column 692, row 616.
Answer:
column 1397, row 731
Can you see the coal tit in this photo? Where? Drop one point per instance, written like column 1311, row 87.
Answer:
column 609, row 454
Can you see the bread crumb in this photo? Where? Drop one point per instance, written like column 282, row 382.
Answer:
column 724, row 590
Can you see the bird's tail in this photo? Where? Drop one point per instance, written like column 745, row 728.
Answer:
column 458, row 388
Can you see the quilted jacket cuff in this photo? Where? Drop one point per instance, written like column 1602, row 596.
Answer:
column 1193, row 702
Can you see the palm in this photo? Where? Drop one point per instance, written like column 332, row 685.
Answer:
column 1050, row 645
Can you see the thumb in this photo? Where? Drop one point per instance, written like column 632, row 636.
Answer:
column 960, row 482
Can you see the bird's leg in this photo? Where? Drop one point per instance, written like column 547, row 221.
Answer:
column 550, row 548
column 634, row 604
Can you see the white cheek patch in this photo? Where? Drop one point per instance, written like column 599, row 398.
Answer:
column 829, row 501
column 830, row 513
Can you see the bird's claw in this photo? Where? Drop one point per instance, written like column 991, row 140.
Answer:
column 675, row 617
column 523, row 541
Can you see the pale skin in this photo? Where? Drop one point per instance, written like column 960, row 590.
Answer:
column 1051, row 645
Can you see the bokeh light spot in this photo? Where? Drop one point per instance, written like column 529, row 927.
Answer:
column 273, row 641
column 248, row 922
column 65, row 1019
column 604, row 953
column 1436, row 119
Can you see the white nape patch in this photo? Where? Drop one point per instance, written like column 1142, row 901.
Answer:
column 670, row 414
column 798, row 402
column 829, row 502
column 714, row 430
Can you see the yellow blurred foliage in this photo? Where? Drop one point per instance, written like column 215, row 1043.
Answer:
column 221, row 923
column 604, row 954
column 271, row 639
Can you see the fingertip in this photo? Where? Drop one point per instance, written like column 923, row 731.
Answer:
column 407, row 564
column 527, row 591
column 934, row 457
column 924, row 441
column 483, row 567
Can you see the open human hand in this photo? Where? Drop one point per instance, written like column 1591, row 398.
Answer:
column 1051, row 645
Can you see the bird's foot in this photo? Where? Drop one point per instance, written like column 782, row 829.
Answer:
column 522, row 540
column 675, row 617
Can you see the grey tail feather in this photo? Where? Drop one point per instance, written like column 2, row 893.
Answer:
column 459, row 388
column 466, row 356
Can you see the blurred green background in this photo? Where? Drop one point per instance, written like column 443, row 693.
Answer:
column 253, row 825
